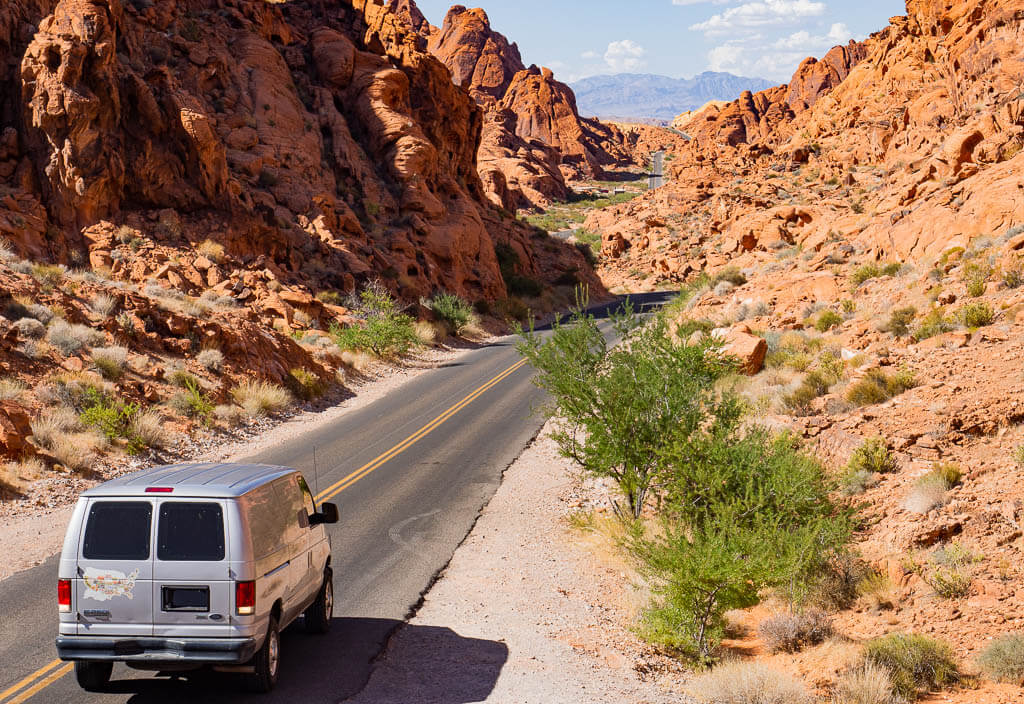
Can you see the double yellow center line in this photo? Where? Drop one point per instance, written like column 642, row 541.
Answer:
column 50, row 673
column 45, row 675
column 401, row 447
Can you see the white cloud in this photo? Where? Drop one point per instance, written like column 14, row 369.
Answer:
column 752, row 15
column 590, row 55
column 625, row 56
column 698, row 2
column 838, row 33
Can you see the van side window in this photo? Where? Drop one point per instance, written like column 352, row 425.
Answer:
column 118, row 530
column 190, row 532
column 307, row 497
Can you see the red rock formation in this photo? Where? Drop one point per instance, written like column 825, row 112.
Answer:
column 324, row 139
column 545, row 115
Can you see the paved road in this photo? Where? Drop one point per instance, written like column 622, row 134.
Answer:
column 656, row 179
column 409, row 472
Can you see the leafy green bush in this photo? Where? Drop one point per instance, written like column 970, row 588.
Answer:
column 521, row 285
column 827, row 320
column 1002, row 660
column 669, row 386
column 747, row 512
column 916, row 663
column 110, row 361
column 385, row 331
column 892, row 268
column 453, row 310
column 976, row 275
column 877, row 386
column 976, row 315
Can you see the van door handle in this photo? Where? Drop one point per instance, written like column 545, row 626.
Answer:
column 277, row 569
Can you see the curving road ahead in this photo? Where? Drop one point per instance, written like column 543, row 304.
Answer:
column 409, row 472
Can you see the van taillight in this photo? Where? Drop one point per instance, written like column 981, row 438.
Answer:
column 245, row 598
column 64, row 595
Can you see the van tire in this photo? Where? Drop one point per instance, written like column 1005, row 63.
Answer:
column 93, row 676
column 267, row 662
column 317, row 617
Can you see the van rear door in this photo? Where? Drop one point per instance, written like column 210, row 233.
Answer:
column 115, row 569
column 191, row 579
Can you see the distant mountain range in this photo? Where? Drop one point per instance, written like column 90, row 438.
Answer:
column 643, row 95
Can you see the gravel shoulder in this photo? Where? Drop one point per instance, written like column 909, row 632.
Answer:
column 32, row 529
column 525, row 612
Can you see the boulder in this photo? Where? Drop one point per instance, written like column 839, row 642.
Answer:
column 15, row 428
column 746, row 347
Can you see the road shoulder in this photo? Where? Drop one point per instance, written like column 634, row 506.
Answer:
column 536, row 617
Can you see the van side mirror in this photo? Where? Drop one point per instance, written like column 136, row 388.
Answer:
column 328, row 513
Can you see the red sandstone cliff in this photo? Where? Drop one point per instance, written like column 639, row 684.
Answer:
column 535, row 138
column 320, row 137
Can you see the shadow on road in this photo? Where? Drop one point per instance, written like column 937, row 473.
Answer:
column 332, row 668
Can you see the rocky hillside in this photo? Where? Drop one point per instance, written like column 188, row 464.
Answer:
column 190, row 190
column 858, row 235
column 534, row 138
column 650, row 96
column 325, row 140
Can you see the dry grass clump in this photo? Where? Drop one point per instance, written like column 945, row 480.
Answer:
column 213, row 251
column 211, row 359
column 12, row 389
column 103, row 305
column 30, row 328
column 229, row 415
column 13, row 475
column 77, row 451
column 748, row 683
column 1002, row 660
column 877, row 590
column 358, row 361
column 54, row 423
column 932, row 490
column 110, row 361
column 70, row 338
column 429, row 332
column 260, row 398
column 866, row 684
column 148, row 428
column 790, row 632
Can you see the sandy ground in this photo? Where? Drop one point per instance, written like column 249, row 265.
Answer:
column 523, row 614
column 32, row 532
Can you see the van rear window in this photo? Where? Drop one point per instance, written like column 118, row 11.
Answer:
column 190, row 532
column 118, row 530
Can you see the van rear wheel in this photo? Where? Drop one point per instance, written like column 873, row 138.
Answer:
column 93, row 676
column 267, row 661
column 318, row 616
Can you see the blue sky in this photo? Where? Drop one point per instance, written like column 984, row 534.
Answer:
column 679, row 38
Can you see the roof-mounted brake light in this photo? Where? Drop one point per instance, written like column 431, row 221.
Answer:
column 159, row 489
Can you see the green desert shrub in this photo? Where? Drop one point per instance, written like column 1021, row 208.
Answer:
column 976, row 315
column 305, row 384
column 192, row 402
column 877, row 386
column 899, row 321
column 827, row 320
column 1002, row 660
column 385, row 331
column 934, row 323
column 110, row 361
column 453, row 310
column 915, row 663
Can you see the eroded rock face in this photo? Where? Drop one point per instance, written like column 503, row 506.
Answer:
column 325, row 140
column 532, row 118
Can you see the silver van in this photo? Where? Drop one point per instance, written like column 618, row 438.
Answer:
column 193, row 565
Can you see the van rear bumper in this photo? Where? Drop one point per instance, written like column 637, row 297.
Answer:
column 172, row 650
